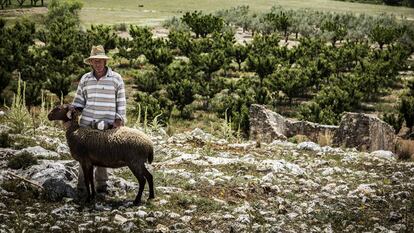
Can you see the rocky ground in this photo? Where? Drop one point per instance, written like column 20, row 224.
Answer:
column 206, row 184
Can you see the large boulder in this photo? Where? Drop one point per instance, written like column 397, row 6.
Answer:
column 266, row 125
column 365, row 132
column 58, row 178
column 312, row 130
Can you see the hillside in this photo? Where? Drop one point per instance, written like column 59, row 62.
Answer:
column 207, row 184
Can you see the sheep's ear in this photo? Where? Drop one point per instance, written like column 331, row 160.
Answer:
column 69, row 114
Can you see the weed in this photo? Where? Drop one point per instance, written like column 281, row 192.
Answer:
column 18, row 116
column 298, row 138
column 326, row 138
column 21, row 189
column 22, row 160
column 226, row 130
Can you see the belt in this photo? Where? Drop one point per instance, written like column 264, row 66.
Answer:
column 101, row 125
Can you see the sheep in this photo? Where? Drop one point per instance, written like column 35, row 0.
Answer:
column 112, row 148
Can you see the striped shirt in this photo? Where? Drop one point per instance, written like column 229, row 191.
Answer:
column 102, row 99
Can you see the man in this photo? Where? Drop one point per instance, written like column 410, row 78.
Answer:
column 101, row 98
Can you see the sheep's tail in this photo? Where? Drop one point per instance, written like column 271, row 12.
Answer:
column 151, row 156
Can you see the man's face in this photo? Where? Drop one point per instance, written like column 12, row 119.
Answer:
column 98, row 65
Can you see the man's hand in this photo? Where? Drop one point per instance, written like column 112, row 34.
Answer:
column 118, row 123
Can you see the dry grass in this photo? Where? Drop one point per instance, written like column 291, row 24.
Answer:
column 405, row 149
column 153, row 12
column 325, row 139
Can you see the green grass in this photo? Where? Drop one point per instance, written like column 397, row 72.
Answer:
column 154, row 12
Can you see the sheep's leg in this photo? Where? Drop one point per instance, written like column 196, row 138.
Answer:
column 138, row 173
column 85, row 170
column 150, row 180
column 88, row 175
column 92, row 181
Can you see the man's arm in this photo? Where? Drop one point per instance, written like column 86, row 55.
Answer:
column 79, row 101
column 120, row 116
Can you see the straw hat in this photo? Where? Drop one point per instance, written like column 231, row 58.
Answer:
column 97, row 52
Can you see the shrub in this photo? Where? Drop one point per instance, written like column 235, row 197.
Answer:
column 122, row 27
column 22, row 160
column 395, row 120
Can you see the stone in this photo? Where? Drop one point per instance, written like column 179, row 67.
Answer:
column 309, row 146
column 365, row 132
column 161, row 229
column 56, row 177
column 119, row 219
column 266, row 126
column 129, row 227
column 55, row 229
column 40, row 152
column 385, row 154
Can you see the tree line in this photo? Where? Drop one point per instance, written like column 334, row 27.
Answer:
column 199, row 66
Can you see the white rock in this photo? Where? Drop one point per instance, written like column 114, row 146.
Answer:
column 383, row 154
column 244, row 219
column 331, row 170
column 39, row 151
column 280, row 166
column 332, row 150
column 119, row 219
column 309, row 146
column 141, row 214
column 163, row 202
column 186, row 219
column 173, row 215
column 363, row 190
column 169, row 190
column 228, row 216
column 161, row 228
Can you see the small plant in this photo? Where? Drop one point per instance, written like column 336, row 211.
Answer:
column 226, row 129
column 22, row 160
column 298, row 138
column 137, row 123
column 155, row 125
column 18, row 116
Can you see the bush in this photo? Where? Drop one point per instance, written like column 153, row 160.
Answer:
column 22, row 160
column 122, row 27
column 395, row 120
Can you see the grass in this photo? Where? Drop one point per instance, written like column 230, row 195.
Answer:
column 154, row 12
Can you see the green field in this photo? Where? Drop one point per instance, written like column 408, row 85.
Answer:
column 155, row 11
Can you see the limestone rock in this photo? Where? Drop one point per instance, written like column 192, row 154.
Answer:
column 365, row 132
column 266, row 125
column 57, row 178
column 38, row 151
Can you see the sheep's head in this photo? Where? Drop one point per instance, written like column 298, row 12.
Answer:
column 63, row 112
